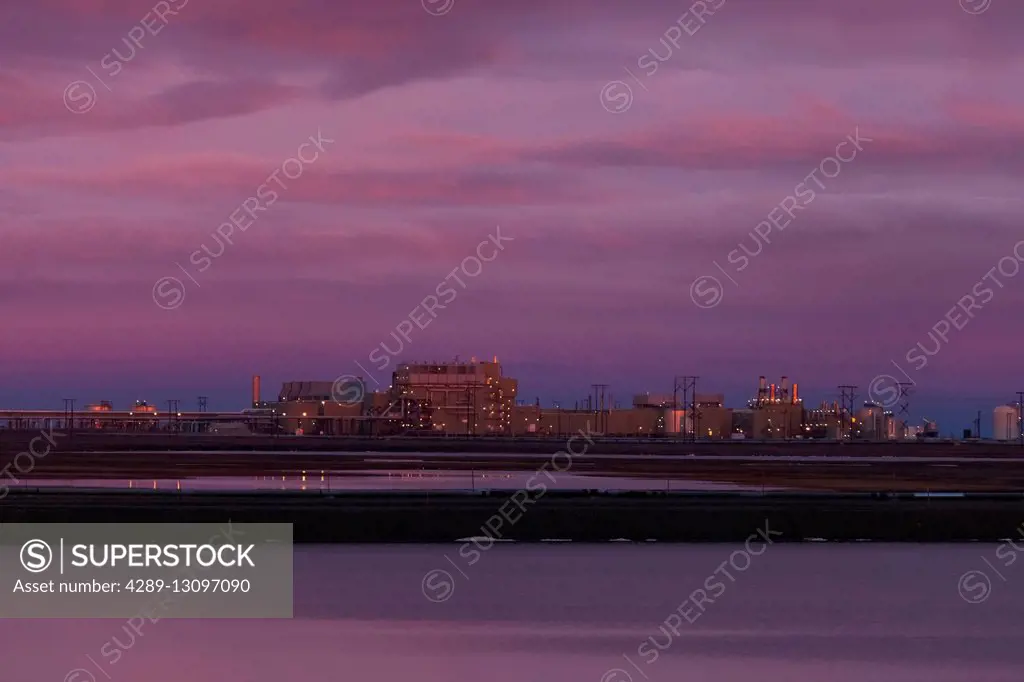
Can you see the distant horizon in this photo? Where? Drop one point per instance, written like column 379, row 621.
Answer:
column 936, row 406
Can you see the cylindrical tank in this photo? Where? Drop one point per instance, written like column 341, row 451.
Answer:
column 871, row 419
column 1005, row 425
column 674, row 420
column 892, row 426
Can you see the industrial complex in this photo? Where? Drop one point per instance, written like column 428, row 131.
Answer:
column 474, row 398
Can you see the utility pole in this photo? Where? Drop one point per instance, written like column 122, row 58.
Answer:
column 904, row 401
column 172, row 412
column 691, row 419
column 599, row 393
column 849, row 399
column 201, row 426
column 69, row 415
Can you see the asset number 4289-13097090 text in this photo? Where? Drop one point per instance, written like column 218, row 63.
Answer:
column 188, row 585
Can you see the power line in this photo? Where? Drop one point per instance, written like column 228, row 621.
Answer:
column 69, row 415
column 849, row 399
column 691, row 417
column 599, row 406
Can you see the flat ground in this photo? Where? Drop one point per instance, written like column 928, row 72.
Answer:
column 822, row 473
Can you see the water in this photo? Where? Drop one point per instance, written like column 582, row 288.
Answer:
column 1006, row 455
column 317, row 482
column 574, row 613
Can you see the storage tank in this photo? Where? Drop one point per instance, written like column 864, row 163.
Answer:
column 871, row 420
column 1005, row 424
column 675, row 421
column 893, row 427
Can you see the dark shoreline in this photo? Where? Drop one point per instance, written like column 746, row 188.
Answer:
column 584, row 516
column 12, row 442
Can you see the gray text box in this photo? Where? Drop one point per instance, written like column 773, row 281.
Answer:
column 147, row 571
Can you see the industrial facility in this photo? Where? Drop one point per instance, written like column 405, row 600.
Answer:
column 475, row 398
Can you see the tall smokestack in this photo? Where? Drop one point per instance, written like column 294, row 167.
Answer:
column 784, row 388
column 771, row 396
column 255, row 390
column 796, row 395
column 761, row 385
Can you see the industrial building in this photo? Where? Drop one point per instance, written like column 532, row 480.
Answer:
column 777, row 411
column 828, row 421
column 310, row 407
column 142, row 417
column 456, row 397
column 476, row 398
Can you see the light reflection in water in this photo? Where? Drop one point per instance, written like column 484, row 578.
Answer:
column 390, row 480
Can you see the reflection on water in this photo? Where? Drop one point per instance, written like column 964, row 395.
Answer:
column 572, row 613
column 323, row 481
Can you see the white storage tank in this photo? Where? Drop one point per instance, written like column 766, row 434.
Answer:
column 1005, row 424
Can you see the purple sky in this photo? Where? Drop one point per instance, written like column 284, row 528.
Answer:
column 447, row 126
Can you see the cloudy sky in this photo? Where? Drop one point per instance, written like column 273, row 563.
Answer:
column 624, row 157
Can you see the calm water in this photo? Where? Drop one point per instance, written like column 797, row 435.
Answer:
column 315, row 482
column 572, row 613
